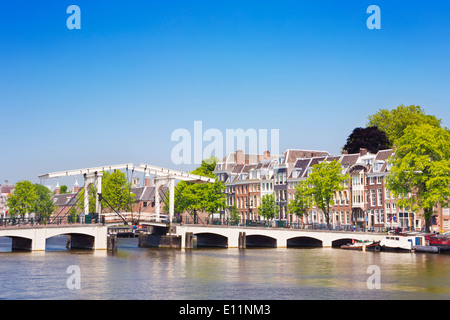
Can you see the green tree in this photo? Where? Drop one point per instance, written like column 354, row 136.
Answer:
column 371, row 138
column 394, row 122
column 421, row 166
column 267, row 206
column 301, row 203
column 43, row 206
column 22, row 200
column 63, row 189
column 234, row 213
column 116, row 191
column 73, row 214
column 324, row 181
column 193, row 197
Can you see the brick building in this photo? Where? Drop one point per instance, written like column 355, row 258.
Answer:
column 5, row 189
column 365, row 203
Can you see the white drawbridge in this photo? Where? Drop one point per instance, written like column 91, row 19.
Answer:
column 163, row 177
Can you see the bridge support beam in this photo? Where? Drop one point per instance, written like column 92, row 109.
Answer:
column 242, row 242
column 160, row 182
column 327, row 243
column 96, row 179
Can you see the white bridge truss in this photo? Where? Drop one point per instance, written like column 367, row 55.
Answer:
column 163, row 177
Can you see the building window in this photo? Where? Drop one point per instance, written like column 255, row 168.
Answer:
column 380, row 197
column 372, row 198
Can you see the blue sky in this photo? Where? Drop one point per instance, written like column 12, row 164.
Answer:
column 114, row 91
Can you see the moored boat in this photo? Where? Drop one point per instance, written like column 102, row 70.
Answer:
column 362, row 246
column 406, row 242
column 396, row 243
column 441, row 241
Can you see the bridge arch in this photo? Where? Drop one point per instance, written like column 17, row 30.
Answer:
column 209, row 239
column 303, row 242
column 20, row 242
column 80, row 240
column 258, row 240
column 337, row 243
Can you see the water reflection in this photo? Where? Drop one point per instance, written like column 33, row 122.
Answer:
column 142, row 273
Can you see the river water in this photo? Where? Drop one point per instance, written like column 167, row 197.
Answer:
column 219, row 274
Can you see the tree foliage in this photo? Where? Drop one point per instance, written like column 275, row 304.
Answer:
column 116, row 191
column 44, row 206
column 319, row 188
column 394, row 122
column 371, row 138
column 267, row 207
column 302, row 201
column 22, row 200
column 193, row 197
column 234, row 213
column 421, row 166
column 63, row 189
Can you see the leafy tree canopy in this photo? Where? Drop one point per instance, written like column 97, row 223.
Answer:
column 267, row 206
column 63, row 189
column 394, row 122
column 116, row 191
column 371, row 138
column 302, row 201
column 194, row 197
column 319, row 188
column 421, row 166
column 43, row 206
column 22, row 200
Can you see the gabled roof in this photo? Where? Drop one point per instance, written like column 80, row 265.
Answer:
column 147, row 193
column 291, row 155
column 64, row 199
column 384, row 154
column 349, row 159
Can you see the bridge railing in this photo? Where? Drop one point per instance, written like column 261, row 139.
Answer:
column 36, row 221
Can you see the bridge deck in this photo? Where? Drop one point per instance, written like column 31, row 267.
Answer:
column 280, row 236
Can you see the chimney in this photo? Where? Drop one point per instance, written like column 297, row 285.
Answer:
column 344, row 152
column 362, row 151
column 147, row 180
column 76, row 187
column 266, row 154
column 239, row 157
column 57, row 188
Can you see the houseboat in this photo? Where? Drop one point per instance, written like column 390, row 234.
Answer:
column 407, row 242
